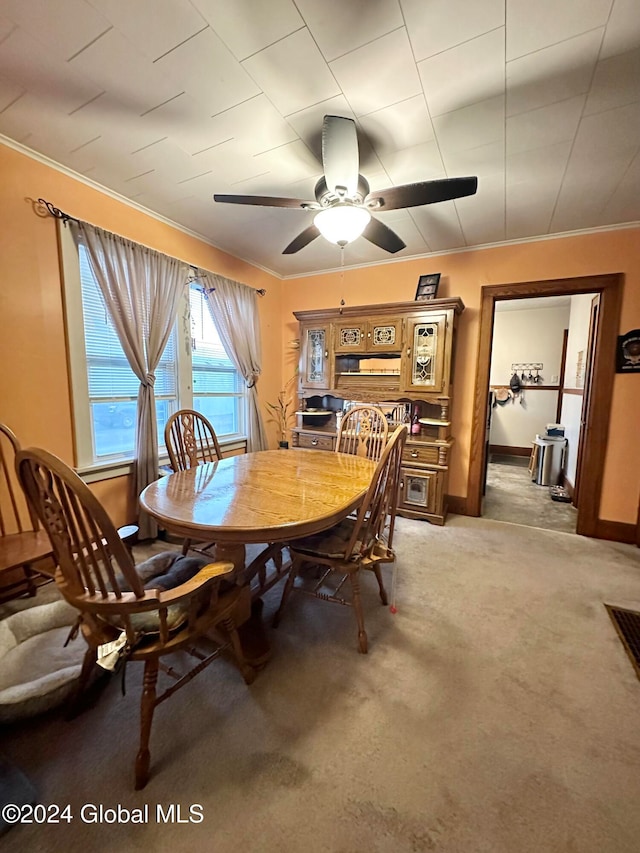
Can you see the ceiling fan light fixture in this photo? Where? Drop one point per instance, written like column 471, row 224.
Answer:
column 342, row 223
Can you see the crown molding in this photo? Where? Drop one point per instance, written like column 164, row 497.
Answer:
column 76, row 176
column 65, row 170
column 624, row 226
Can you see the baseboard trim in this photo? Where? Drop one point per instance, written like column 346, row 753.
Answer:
column 615, row 531
column 504, row 450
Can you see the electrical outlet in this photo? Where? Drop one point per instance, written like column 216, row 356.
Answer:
column 554, row 380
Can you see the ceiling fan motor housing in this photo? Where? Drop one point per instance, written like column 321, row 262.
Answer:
column 326, row 198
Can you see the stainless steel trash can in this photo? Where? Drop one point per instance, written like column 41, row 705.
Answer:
column 549, row 460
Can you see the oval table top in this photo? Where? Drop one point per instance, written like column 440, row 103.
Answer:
column 268, row 496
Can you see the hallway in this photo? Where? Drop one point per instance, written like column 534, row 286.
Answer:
column 512, row 496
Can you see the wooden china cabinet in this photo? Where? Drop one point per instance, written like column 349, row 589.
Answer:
column 398, row 356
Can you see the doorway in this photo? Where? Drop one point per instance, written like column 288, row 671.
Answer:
column 596, row 424
column 533, row 341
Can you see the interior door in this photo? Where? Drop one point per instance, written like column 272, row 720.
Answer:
column 585, row 417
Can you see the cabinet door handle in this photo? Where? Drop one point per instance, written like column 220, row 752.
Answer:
column 408, row 352
column 314, row 442
column 414, row 454
column 326, row 353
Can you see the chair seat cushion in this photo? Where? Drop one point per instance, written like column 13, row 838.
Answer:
column 330, row 543
column 165, row 571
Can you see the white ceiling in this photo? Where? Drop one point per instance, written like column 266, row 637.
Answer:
column 169, row 101
column 533, row 304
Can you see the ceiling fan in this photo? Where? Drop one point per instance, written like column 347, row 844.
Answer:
column 344, row 201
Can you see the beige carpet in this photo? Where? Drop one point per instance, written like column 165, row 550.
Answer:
column 497, row 712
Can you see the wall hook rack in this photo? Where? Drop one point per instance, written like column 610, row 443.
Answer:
column 526, row 366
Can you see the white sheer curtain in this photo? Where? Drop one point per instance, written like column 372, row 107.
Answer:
column 234, row 309
column 141, row 289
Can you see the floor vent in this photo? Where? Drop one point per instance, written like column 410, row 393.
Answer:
column 627, row 624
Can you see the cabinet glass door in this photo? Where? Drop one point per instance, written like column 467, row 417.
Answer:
column 315, row 357
column 423, row 364
column 417, row 490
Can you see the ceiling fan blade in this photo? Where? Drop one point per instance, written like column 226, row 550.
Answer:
column 340, row 157
column 381, row 235
column 267, row 201
column 303, row 239
column 427, row 192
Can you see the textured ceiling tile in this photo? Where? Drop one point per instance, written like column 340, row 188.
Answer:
column 482, row 216
column 401, row 125
column 532, row 26
column 624, row 204
column 255, row 121
column 171, row 133
column 248, row 26
column 464, row 75
column 24, row 62
column 608, row 134
column 62, row 34
column 616, row 82
column 553, row 74
column 439, row 225
column 544, row 126
column 529, row 211
column 340, row 27
column 379, row 74
column 9, row 92
column 112, row 63
column 288, row 163
column 154, row 26
column 484, row 160
column 206, row 70
column 292, row 73
column 6, row 26
column 623, row 28
column 539, row 167
column 441, row 24
column 412, row 165
column 470, row 127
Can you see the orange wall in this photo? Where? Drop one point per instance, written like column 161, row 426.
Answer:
column 34, row 383
column 34, row 389
column 464, row 274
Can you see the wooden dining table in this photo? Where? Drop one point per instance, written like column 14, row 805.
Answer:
column 271, row 496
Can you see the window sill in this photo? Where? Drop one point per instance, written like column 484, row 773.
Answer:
column 123, row 468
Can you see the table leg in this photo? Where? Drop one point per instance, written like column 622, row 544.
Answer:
column 233, row 552
column 253, row 635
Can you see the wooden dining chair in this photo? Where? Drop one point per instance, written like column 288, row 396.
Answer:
column 354, row 544
column 25, row 550
column 363, row 432
column 164, row 605
column 190, row 440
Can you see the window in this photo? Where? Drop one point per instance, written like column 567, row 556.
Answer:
column 112, row 386
column 218, row 389
column 194, row 371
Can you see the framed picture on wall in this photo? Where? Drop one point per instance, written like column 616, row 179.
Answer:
column 427, row 286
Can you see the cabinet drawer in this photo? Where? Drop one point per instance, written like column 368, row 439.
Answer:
column 316, row 442
column 420, row 455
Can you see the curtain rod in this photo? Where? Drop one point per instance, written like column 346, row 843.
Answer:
column 65, row 217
